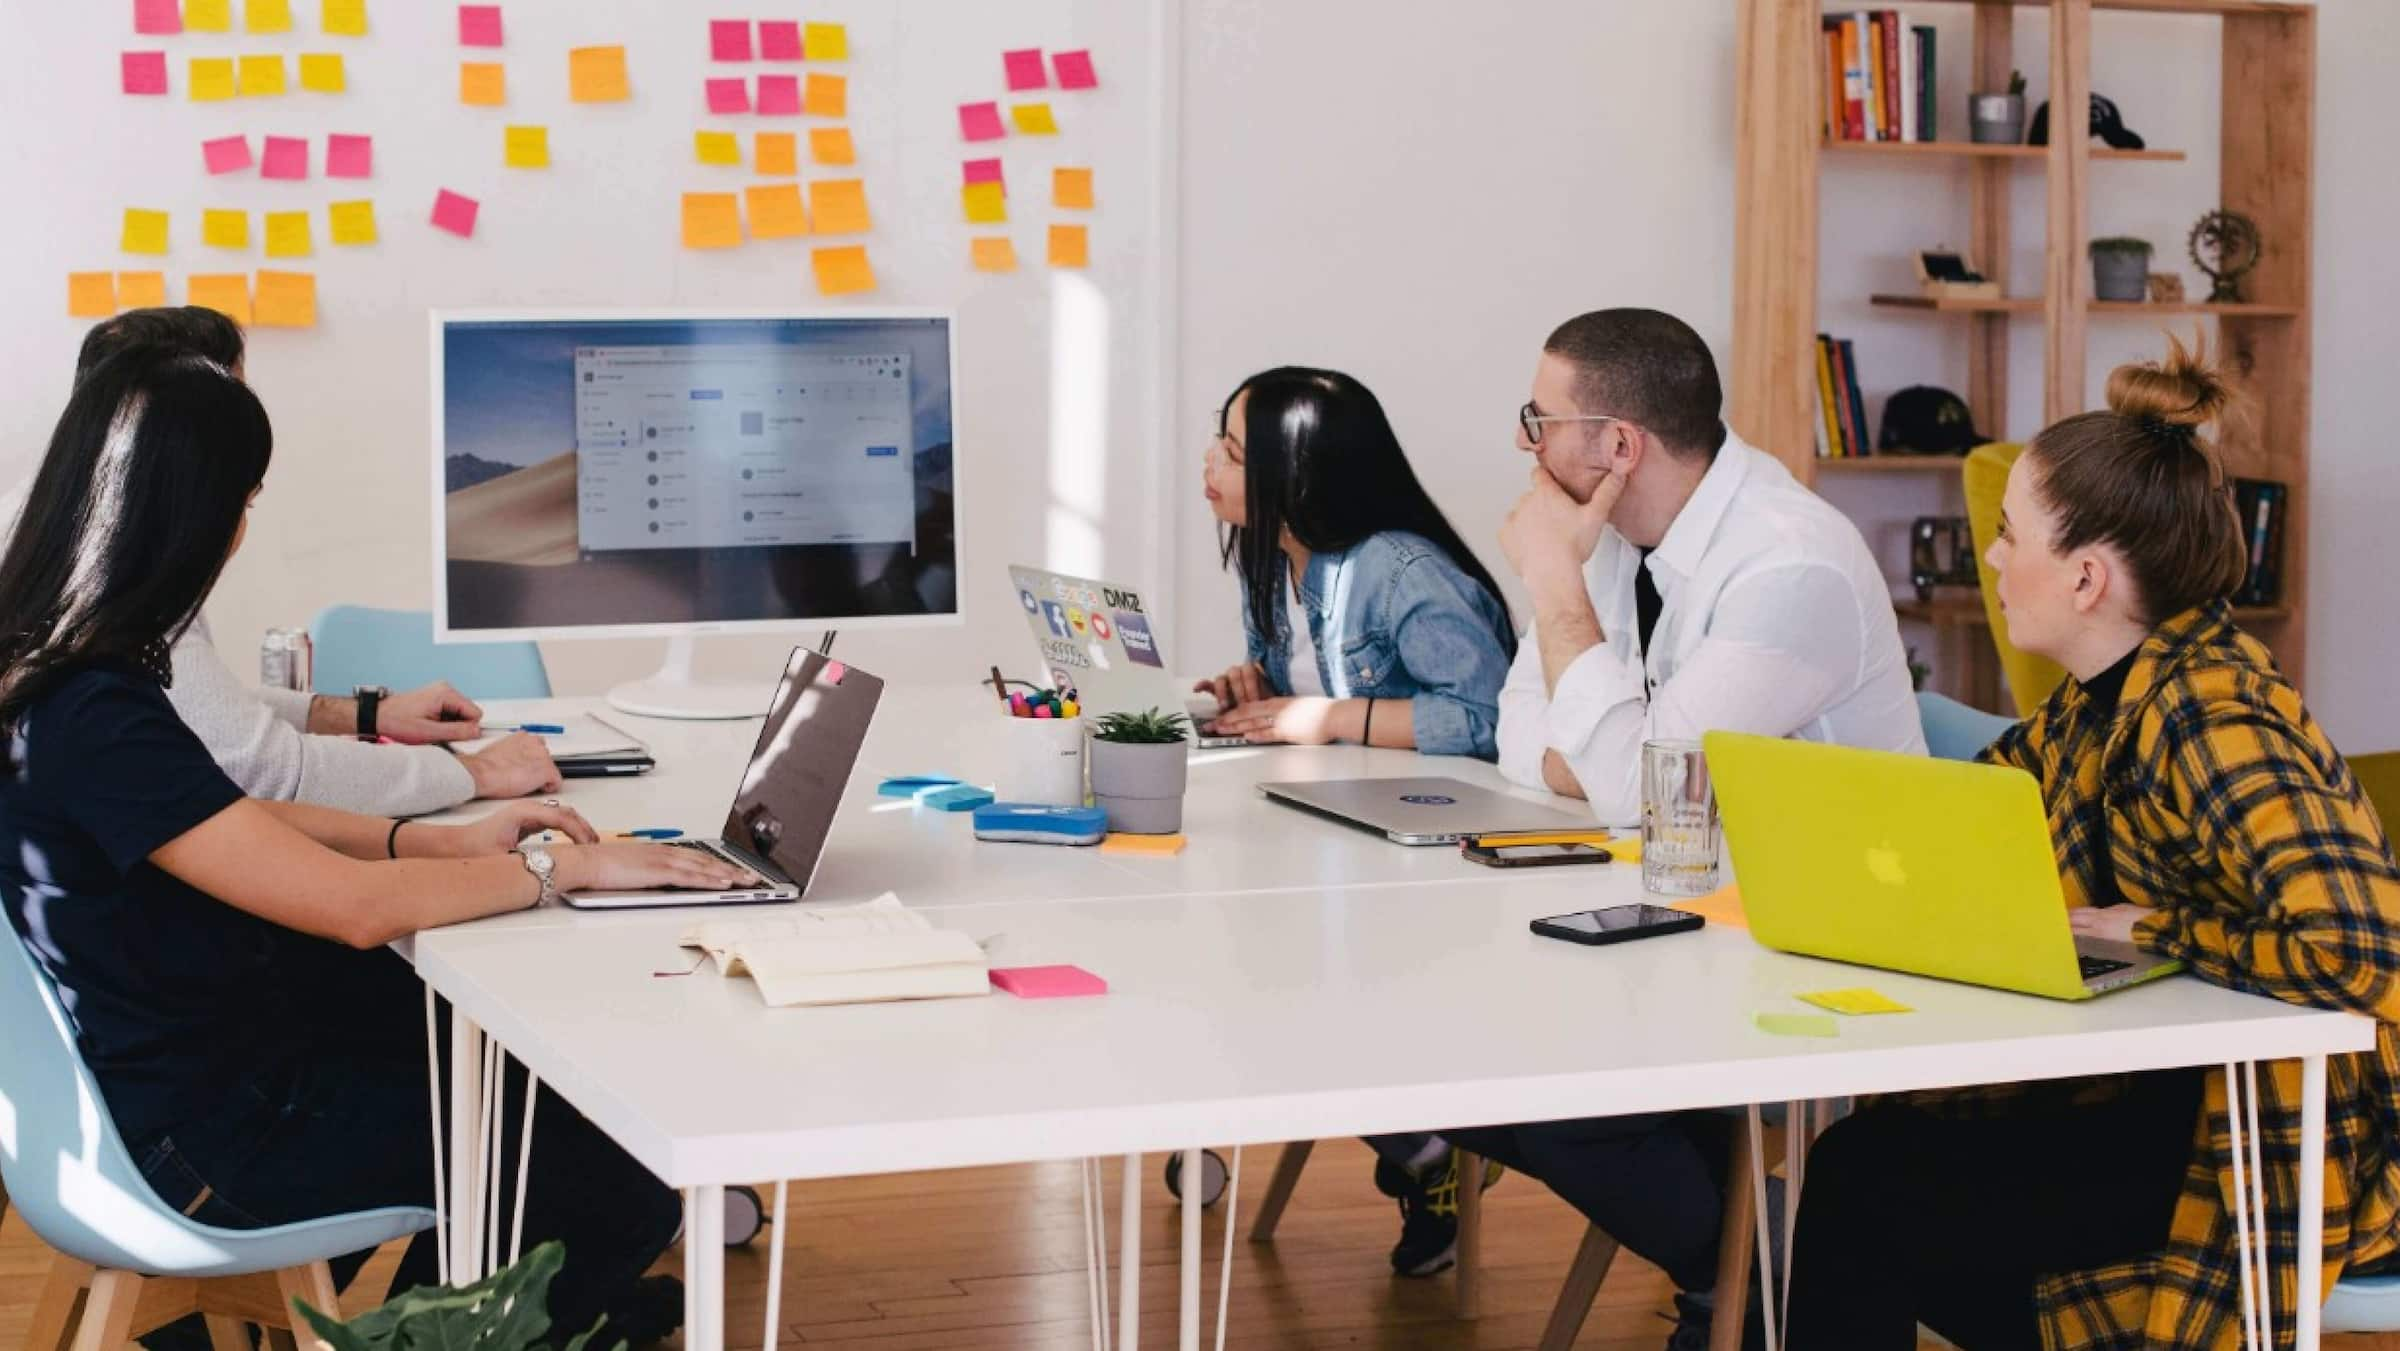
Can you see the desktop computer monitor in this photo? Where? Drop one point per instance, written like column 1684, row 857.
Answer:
column 605, row 474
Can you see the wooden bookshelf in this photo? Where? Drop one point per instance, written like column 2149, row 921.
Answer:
column 1937, row 465
column 2266, row 148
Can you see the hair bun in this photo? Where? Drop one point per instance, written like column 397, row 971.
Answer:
column 2183, row 391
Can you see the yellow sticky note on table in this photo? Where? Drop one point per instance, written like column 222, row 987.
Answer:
column 995, row 253
column 225, row 229
column 213, row 79
column 717, row 147
column 267, row 16
column 288, row 235
column 1722, row 907
column 228, row 293
column 322, row 73
column 832, row 145
column 345, row 18
column 91, row 295
column 208, row 16
column 1034, row 119
column 482, row 84
column 597, row 75
column 778, row 153
column 711, row 220
column 1071, row 187
column 262, row 76
column 1070, row 246
column 826, row 96
column 1155, row 846
column 775, row 211
column 528, row 147
column 1857, row 1000
column 287, row 300
column 141, row 290
column 986, row 203
column 1795, row 1024
column 825, row 42
column 145, row 231
column 839, row 206
column 352, row 222
column 844, row 271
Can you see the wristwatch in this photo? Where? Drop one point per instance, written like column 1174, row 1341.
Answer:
column 543, row 867
column 369, row 697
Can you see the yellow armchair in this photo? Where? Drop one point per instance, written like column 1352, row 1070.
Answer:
column 2030, row 678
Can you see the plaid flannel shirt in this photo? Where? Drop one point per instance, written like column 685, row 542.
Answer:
column 2218, row 802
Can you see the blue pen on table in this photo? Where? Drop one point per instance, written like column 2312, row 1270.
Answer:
column 647, row 833
column 537, row 728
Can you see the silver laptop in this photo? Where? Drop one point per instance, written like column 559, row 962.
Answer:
column 783, row 809
column 1420, row 811
column 1102, row 641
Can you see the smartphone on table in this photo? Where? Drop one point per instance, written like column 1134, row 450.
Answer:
column 1544, row 855
column 1617, row 924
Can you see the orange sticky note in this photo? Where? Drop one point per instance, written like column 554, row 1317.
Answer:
column 986, row 203
column 287, row 300
column 267, row 16
column 141, row 290
column 345, row 18
column 717, row 147
column 262, row 76
column 995, row 253
column 775, row 211
column 288, row 235
column 208, row 16
column 843, row 271
column 1071, row 187
column 323, row 73
column 825, row 42
column 597, row 75
column 145, row 231
column 832, row 145
column 778, row 153
column 826, row 96
column 1722, row 907
column 839, row 206
column 91, row 295
column 225, row 229
column 1034, row 119
column 527, row 147
column 227, row 293
column 711, row 220
column 482, row 84
column 212, row 79
column 352, row 222
column 1070, row 246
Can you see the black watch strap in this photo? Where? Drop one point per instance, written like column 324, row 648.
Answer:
column 369, row 698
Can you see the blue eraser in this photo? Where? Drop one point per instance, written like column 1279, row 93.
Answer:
column 957, row 797
column 1029, row 823
column 909, row 785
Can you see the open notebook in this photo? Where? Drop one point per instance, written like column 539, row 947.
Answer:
column 858, row 954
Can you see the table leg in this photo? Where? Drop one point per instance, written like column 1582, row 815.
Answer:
column 466, row 1117
column 1195, row 1175
column 2312, row 1202
column 441, row 1185
column 704, row 1269
column 1129, row 1260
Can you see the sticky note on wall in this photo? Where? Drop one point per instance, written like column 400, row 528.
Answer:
column 527, row 147
column 777, row 153
column 262, row 76
column 212, row 79
column 778, row 40
column 208, row 16
column 352, row 223
column 143, row 72
column 226, row 154
column 775, row 211
column 286, row 300
column 288, row 235
column 228, row 293
column 1070, row 246
column 455, row 213
column 827, row 42
column 843, row 271
column 980, row 122
column 983, row 171
column 832, row 145
column 1075, row 70
column 349, row 156
column 1024, row 69
column 711, row 220
column 141, row 290
column 728, row 96
column 995, row 253
column 479, row 26
column 91, row 295
column 827, row 95
column 225, row 229
column 717, row 147
column 323, row 73
column 597, row 75
column 286, row 157
column 145, row 231
column 729, row 40
column 482, row 84
column 839, row 206
column 778, row 96
column 1071, row 188
column 157, row 17
column 986, row 203
column 1034, row 119
column 345, row 18
column 267, row 16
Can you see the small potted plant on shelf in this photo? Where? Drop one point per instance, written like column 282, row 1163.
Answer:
column 1139, row 764
column 1998, row 119
column 2121, row 268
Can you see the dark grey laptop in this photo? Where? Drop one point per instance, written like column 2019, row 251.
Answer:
column 1420, row 811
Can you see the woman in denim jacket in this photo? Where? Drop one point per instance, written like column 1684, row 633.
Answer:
column 1401, row 639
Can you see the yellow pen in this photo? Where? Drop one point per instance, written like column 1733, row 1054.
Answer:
column 1515, row 838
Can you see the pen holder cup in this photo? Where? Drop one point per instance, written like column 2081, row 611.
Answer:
column 1044, row 763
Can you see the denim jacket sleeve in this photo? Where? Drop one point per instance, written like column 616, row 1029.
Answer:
column 1448, row 635
column 1273, row 658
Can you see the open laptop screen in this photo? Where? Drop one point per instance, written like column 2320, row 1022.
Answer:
column 793, row 786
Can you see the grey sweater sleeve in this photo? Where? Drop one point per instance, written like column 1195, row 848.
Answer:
column 271, row 758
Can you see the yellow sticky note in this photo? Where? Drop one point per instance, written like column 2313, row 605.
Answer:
column 482, row 84
column 839, row 206
column 345, row 18
column 843, row 271
column 528, row 147
column 225, row 229
column 1795, row 1024
column 986, row 203
column 775, row 211
column 597, row 75
column 322, row 73
column 717, row 147
column 227, row 293
column 1155, row 846
column 711, row 220
column 262, row 76
column 141, row 290
column 825, row 42
column 287, row 300
column 1071, row 187
column 778, row 153
column 212, row 79
column 208, row 16
column 145, row 231
column 1070, row 246
column 996, row 253
column 1855, row 1001
column 288, row 235
column 1034, row 119
column 832, row 145
column 352, row 222
column 267, row 16
column 826, row 96
column 91, row 295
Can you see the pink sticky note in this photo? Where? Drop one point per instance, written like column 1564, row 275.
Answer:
column 455, row 214
column 157, row 16
column 779, row 39
column 1025, row 69
column 285, row 157
column 980, row 122
column 1047, row 982
column 836, row 673
column 479, row 26
column 779, row 96
column 729, row 39
column 226, row 154
column 145, row 72
column 1075, row 70
column 349, row 156
column 730, row 96
column 984, row 171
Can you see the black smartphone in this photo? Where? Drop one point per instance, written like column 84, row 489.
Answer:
column 1533, row 855
column 1617, row 924
column 605, row 766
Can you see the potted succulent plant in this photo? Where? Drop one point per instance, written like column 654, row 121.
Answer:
column 1998, row 119
column 1139, row 764
column 2121, row 268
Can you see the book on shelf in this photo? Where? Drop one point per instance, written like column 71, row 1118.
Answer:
column 1880, row 76
column 1838, row 397
column 2261, row 506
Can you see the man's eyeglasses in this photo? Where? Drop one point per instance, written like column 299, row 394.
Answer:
column 1533, row 421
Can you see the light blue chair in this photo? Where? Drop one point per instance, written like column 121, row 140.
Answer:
column 72, row 1180
column 357, row 646
column 1954, row 731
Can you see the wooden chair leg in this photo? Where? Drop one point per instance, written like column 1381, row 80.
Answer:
column 1737, row 1247
column 227, row 1333
column 313, row 1283
column 54, row 1308
column 108, row 1312
column 1575, row 1298
column 1279, row 1189
column 1470, row 1234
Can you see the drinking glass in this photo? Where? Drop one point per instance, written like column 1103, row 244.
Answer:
column 1680, row 830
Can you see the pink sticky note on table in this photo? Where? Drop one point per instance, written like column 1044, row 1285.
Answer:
column 479, row 26
column 1075, row 70
column 980, row 122
column 349, row 156
column 145, row 72
column 455, row 214
column 779, row 39
column 1047, row 982
column 157, row 16
column 226, row 154
column 730, row 96
column 984, row 171
column 1025, row 69
column 729, row 39
column 779, row 96
column 285, row 157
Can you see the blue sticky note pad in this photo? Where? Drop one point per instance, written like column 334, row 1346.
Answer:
column 1030, row 823
column 909, row 785
column 958, row 797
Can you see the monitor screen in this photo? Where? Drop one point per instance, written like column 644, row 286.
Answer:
column 635, row 473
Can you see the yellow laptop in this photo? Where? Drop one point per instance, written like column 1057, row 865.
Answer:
column 1933, row 867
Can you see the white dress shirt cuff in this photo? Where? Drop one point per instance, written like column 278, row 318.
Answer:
column 1600, row 680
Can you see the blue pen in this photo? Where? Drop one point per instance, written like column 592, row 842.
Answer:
column 648, row 833
column 537, row 728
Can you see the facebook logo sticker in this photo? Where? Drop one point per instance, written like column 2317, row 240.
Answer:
column 1056, row 615
column 1134, row 630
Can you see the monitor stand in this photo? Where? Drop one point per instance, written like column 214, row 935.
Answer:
column 673, row 692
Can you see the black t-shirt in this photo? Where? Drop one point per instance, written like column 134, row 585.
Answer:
column 2103, row 690
column 1647, row 603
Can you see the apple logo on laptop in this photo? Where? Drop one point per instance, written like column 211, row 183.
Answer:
column 1883, row 864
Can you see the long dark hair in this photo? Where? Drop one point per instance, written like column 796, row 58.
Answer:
column 129, row 520
column 1320, row 457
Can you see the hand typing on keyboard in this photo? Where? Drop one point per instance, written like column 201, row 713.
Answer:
column 2113, row 923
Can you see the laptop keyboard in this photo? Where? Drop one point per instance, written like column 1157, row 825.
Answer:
column 2096, row 967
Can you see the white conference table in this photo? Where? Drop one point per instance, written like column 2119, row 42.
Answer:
column 1284, row 979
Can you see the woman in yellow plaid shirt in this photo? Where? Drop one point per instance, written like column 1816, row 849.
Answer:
column 2199, row 811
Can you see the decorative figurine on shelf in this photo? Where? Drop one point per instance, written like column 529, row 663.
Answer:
column 1941, row 552
column 2166, row 288
column 2225, row 246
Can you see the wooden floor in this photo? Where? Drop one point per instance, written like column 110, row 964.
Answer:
column 994, row 1258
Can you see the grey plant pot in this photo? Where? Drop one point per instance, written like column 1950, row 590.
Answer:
column 1996, row 119
column 2120, row 276
column 1141, row 787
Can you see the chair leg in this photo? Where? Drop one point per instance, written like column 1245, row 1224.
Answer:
column 227, row 1333
column 108, row 1313
column 313, row 1283
column 54, row 1308
column 1737, row 1246
column 1470, row 1234
column 1279, row 1189
column 1575, row 1298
